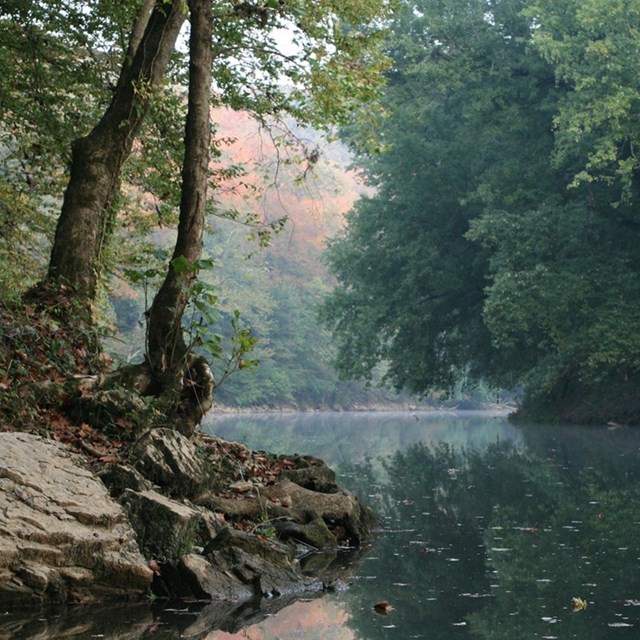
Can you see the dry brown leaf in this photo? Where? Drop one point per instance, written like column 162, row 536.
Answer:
column 578, row 604
column 383, row 608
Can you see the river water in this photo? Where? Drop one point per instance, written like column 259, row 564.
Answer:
column 487, row 530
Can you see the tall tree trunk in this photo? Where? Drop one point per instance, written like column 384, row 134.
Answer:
column 87, row 215
column 168, row 355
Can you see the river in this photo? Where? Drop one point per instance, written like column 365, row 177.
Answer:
column 487, row 530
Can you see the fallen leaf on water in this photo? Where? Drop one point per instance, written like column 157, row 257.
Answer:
column 578, row 604
column 383, row 608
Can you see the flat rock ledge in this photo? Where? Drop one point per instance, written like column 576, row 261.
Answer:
column 62, row 536
column 199, row 519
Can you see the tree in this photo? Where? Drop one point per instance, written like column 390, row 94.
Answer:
column 335, row 48
column 591, row 45
column 466, row 96
column 574, row 255
column 167, row 351
column 529, row 204
column 60, row 61
column 88, row 210
column 334, row 67
column 87, row 213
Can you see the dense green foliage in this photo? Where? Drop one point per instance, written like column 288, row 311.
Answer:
column 502, row 240
column 58, row 61
column 61, row 63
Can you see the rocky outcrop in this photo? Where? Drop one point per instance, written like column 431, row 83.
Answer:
column 214, row 521
column 62, row 537
column 286, row 501
column 227, row 523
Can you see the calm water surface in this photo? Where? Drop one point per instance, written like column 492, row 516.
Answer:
column 487, row 531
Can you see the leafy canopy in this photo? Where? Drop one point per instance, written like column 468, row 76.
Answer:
column 61, row 63
column 502, row 240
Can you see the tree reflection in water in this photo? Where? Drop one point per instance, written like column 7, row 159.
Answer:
column 496, row 544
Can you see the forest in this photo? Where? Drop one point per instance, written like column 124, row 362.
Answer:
column 486, row 236
column 115, row 167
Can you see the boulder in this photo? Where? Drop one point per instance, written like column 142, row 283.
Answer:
column 202, row 580
column 62, row 537
column 235, row 567
column 286, row 500
column 314, row 534
column 173, row 462
column 237, row 574
column 272, row 551
column 110, row 409
column 119, row 477
column 267, row 580
column 313, row 474
column 166, row 528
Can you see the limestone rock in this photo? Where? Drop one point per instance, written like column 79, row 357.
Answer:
column 173, row 462
column 315, row 534
column 107, row 408
column 272, row 551
column 208, row 582
column 340, row 509
column 315, row 475
column 166, row 528
column 236, row 575
column 119, row 477
column 62, row 537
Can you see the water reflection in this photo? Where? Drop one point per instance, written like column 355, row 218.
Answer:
column 496, row 544
column 192, row 620
column 349, row 437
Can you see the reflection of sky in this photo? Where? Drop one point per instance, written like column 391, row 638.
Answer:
column 353, row 437
column 321, row 619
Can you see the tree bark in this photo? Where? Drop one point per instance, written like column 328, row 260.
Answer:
column 137, row 33
column 167, row 352
column 87, row 215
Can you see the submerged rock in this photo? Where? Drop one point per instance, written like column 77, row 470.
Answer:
column 62, row 537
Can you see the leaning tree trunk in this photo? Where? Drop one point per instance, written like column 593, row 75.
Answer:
column 86, row 219
column 184, row 379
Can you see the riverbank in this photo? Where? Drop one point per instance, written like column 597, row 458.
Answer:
column 410, row 407
column 101, row 499
column 202, row 519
